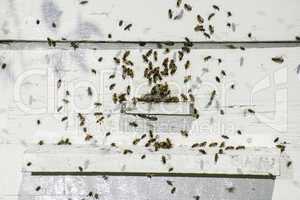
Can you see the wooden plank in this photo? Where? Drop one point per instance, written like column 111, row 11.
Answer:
column 267, row 20
column 39, row 89
column 183, row 161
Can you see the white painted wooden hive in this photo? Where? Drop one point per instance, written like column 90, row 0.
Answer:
column 64, row 67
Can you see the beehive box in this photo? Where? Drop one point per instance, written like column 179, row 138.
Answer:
column 248, row 55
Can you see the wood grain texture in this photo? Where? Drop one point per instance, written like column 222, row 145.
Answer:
column 267, row 20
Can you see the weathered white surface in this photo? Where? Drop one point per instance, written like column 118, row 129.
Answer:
column 268, row 20
column 253, row 161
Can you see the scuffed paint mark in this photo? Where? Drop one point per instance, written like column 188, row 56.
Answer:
column 85, row 30
column 51, row 13
column 4, row 28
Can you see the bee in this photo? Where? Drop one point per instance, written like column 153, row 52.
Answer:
column 276, row 140
column 184, row 97
column 38, row 122
column 228, row 24
column 195, row 145
column 127, row 151
column 74, row 45
column 218, row 79
column 249, row 35
column 115, row 98
column 187, row 78
column 120, row 22
column 229, row 148
column 96, row 196
column 229, row 14
column 64, row 118
column 202, row 151
column 200, row 19
column 211, row 29
column 222, row 112
column 232, row 86
column 155, row 56
column 163, row 159
column 192, row 98
column 239, row 132
column 51, row 42
column 107, row 134
column 59, row 108
column 97, row 104
column 170, row 169
column 289, row 163
column 41, row 142
column 134, row 124
column 203, row 144
column 187, row 7
column 178, row 3
column 199, row 28
column 281, row 147
column 88, row 137
column 187, row 64
column 211, row 16
column 112, row 76
column 242, row 48
column 216, row 7
column 297, row 38
column 223, row 72
column 186, row 49
column 231, row 46
column 170, row 14
column 249, row 110
column 59, row 82
column 188, row 42
column 216, row 157
column 136, row 141
column 143, row 156
column 127, row 28
column 169, row 183
column 220, row 151
column 128, row 89
column 225, row 137
column 142, row 44
column 278, row 60
column 213, row 144
column 197, row 197
column 230, row 189
column 65, row 101
column 206, row 35
column 222, row 145
column 37, row 188
column 90, row 92
column 3, row 65
column 80, row 168
column 173, row 190
column 240, row 147
column 125, row 55
column 180, row 55
column 113, row 144
column 111, row 87
column 184, row 133
column 117, row 60
column 207, row 58
column 83, row 2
